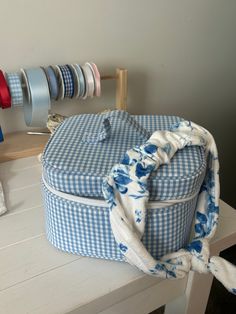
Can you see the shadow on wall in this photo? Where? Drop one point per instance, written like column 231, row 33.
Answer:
column 221, row 123
column 225, row 139
column 207, row 103
column 138, row 92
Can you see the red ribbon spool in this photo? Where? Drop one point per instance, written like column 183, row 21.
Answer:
column 5, row 96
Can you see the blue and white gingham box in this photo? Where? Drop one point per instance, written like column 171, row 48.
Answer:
column 77, row 168
column 85, row 230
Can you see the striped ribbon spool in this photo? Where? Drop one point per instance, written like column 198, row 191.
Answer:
column 68, row 79
column 14, row 83
column 37, row 102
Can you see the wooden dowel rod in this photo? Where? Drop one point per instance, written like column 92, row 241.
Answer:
column 103, row 78
column 108, row 77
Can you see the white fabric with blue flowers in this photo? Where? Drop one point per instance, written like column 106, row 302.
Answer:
column 125, row 190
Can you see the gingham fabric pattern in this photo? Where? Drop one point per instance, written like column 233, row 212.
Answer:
column 78, row 168
column 95, row 137
column 86, row 230
column 14, row 83
column 68, row 80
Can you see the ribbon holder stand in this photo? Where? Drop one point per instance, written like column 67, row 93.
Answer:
column 19, row 144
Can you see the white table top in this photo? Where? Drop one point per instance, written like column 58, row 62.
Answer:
column 37, row 278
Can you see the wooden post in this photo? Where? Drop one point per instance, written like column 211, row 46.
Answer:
column 121, row 89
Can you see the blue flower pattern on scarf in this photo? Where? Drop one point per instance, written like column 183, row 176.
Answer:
column 142, row 171
column 150, row 148
column 195, row 246
column 129, row 178
column 109, row 194
column 123, row 247
column 138, row 215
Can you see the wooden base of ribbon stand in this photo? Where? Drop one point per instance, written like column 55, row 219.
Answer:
column 19, row 145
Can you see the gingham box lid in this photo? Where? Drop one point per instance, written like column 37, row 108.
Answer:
column 77, row 157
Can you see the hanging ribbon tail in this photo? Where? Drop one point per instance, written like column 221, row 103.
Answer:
column 224, row 271
column 3, row 208
column 1, row 135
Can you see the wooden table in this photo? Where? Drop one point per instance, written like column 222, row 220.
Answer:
column 37, row 278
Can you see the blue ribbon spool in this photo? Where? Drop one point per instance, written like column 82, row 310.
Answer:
column 68, row 80
column 52, row 82
column 81, row 80
column 14, row 83
column 37, row 102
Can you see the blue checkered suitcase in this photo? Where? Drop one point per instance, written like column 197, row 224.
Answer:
column 77, row 158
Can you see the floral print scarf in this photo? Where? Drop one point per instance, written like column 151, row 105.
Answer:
column 125, row 190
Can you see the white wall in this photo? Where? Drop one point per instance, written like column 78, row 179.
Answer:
column 180, row 56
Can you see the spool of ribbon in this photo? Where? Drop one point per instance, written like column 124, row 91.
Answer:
column 89, row 79
column 68, row 80
column 82, row 83
column 37, row 102
column 52, row 82
column 60, row 81
column 14, row 83
column 5, row 96
column 93, row 74
column 76, row 81
column 97, row 79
